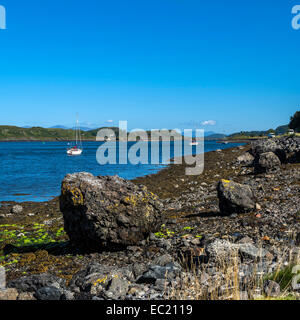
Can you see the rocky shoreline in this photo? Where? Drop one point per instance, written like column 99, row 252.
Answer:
column 201, row 250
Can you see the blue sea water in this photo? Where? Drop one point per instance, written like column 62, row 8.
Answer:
column 33, row 171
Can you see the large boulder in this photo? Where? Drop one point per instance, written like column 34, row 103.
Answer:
column 235, row 197
column 107, row 211
column 271, row 145
column 266, row 162
column 287, row 149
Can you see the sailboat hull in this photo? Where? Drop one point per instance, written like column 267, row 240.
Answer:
column 77, row 152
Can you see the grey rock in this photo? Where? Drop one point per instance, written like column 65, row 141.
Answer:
column 17, row 209
column 139, row 269
column 117, row 289
column 222, row 251
column 245, row 159
column 107, row 211
column 235, row 197
column 271, row 288
column 244, row 295
column 48, row 293
column 204, row 278
column 271, row 145
column 68, row 295
column 245, row 240
column 163, row 260
column 35, row 282
column 249, row 251
column 266, row 162
column 161, row 284
column 157, row 272
column 26, row 296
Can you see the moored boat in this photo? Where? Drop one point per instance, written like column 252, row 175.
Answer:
column 77, row 149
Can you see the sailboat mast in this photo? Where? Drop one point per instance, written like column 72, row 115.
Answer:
column 76, row 131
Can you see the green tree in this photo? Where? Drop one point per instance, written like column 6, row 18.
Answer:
column 295, row 122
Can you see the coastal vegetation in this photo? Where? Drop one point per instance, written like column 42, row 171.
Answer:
column 295, row 122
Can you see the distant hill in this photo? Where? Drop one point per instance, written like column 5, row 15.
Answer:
column 66, row 128
column 282, row 129
column 14, row 133
column 58, row 127
column 11, row 133
column 215, row 136
column 278, row 131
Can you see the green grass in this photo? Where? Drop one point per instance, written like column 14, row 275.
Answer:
column 283, row 277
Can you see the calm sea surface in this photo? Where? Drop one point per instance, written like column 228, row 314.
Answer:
column 33, row 171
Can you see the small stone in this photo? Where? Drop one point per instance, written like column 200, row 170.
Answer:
column 161, row 284
column 8, row 294
column 16, row 209
column 271, row 288
column 244, row 295
column 163, row 260
column 48, row 293
column 196, row 241
column 257, row 206
column 245, row 159
column 117, row 289
column 204, row 278
column 245, row 240
column 26, row 296
column 251, row 252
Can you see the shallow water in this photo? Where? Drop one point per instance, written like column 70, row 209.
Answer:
column 33, row 171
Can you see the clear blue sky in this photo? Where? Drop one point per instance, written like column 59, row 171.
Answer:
column 155, row 63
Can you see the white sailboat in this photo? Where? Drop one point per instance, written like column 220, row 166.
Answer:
column 77, row 149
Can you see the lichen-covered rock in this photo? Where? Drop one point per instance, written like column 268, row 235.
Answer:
column 235, row 197
column 107, row 211
column 266, row 162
